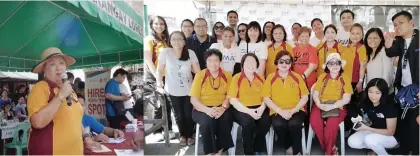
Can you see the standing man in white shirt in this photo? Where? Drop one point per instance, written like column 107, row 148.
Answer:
column 232, row 18
column 347, row 20
column 405, row 46
column 318, row 29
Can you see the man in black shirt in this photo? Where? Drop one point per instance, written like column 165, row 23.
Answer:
column 405, row 46
column 200, row 41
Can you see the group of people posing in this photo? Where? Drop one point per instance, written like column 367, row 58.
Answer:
column 269, row 82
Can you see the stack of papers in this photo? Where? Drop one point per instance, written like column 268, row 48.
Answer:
column 102, row 150
column 115, row 140
column 123, row 152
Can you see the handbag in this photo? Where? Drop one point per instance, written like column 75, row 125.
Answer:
column 407, row 98
column 333, row 112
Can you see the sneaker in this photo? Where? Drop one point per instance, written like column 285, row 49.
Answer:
column 335, row 151
column 289, row 151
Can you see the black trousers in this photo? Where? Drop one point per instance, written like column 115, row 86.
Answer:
column 183, row 109
column 352, row 108
column 408, row 133
column 253, row 131
column 215, row 133
column 115, row 121
column 290, row 130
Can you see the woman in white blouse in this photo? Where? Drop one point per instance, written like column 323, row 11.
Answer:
column 254, row 44
column 229, row 50
column 379, row 65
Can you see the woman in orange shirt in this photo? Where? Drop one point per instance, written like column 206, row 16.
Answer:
column 305, row 57
column 279, row 44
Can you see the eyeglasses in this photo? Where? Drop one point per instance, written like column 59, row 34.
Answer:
column 177, row 40
column 240, row 31
column 286, row 61
column 218, row 27
column 201, row 27
column 334, row 63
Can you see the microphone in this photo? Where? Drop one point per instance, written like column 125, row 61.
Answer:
column 64, row 78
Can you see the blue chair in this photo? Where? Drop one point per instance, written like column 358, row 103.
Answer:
column 19, row 143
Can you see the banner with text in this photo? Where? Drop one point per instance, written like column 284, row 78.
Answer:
column 95, row 93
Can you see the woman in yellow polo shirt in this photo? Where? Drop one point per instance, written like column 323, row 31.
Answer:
column 332, row 91
column 56, row 124
column 330, row 45
column 356, row 57
column 285, row 93
column 250, row 112
column 211, row 104
column 153, row 45
column 279, row 37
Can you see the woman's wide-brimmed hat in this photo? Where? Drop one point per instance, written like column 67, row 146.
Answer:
column 334, row 56
column 51, row 53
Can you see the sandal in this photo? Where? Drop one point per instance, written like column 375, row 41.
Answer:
column 371, row 153
column 183, row 141
column 335, row 151
column 190, row 141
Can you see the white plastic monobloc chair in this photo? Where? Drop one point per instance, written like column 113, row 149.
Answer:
column 311, row 131
column 271, row 141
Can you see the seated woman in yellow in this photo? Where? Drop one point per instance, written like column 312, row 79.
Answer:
column 285, row 93
column 250, row 112
column 208, row 96
column 332, row 91
column 329, row 46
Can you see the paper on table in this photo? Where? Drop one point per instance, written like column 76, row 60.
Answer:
column 102, row 150
column 115, row 140
column 121, row 152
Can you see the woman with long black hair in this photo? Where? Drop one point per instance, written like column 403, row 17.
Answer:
column 153, row 45
column 378, row 121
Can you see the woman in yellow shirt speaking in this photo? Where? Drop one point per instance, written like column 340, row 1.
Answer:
column 285, row 93
column 250, row 112
column 208, row 96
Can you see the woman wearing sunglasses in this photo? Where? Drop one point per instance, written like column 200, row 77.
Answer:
column 332, row 91
column 241, row 33
column 305, row 57
column 217, row 31
column 285, row 93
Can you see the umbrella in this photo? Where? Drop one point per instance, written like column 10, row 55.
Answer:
column 96, row 33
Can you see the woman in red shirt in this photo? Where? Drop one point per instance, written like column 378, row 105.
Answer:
column 305, row 57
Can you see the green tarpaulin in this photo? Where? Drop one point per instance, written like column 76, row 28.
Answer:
column 96, row 33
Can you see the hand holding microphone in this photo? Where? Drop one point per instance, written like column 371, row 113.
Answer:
column 65, row 89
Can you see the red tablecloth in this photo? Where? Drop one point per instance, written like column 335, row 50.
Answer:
column 124, row 145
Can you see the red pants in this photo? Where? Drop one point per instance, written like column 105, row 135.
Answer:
column 327, row 134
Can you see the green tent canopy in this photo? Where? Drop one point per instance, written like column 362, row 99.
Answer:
column 95, row 33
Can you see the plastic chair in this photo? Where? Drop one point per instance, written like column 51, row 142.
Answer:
column 17, row 143
column 235, row 136
column 311, row 131
column 311, row 135
column 271, row 141
column 197, row 134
